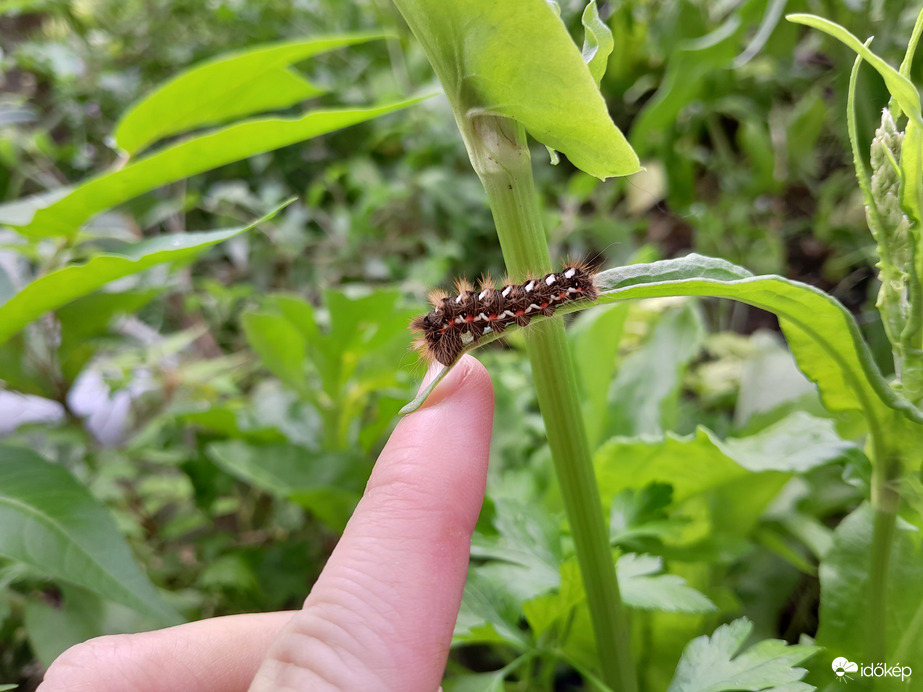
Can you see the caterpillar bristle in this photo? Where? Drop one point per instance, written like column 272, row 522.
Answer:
column 436, row 297
column 492, row 309
column 463, row 286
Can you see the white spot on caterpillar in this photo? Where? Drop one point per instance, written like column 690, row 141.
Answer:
column 507, row 291
column 569, row 274
column 572, row 290
column 458, row 300
column 550, row 279
column 484, row 317
column 483, row 294
column 459, row 320
column 509, row 313
column 530, row 286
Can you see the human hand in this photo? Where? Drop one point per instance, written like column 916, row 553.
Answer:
column 381, row 615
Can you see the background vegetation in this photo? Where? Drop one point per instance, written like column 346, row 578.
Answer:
column 226, row 408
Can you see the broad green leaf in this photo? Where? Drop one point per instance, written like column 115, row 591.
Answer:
column 52, row 523
column 643, row 586
column 52, row 629
column 902, row 89
column 690, row 464
column 178, row 161
column 517, row 60
column 642, row 399
column 717, row 663
column 279, row 345
column 64, row 285
column 594, row 340
column 87, row 318
column 845, row 614
column 230, row 86
column 326, row 483
column 797, row 443
column 597, row 43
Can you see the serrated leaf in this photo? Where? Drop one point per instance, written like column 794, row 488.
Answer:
column 62, row 286
column 517, row 60
column 230, row 86
column 63, row 217
column 716, row 663
column 643, row 587
column 52, row 523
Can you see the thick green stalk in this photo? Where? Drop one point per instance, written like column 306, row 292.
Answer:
column 500, row 156
column 885, row 504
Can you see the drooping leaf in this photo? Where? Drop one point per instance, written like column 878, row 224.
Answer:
column 50, row 522
column 597, row 43
column 902, row 89
column 716, row 663
column 62, row 286
column 44, row 218
column 230, row 86
column 517, row 60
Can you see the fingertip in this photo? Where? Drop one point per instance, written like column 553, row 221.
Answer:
column 468, row 375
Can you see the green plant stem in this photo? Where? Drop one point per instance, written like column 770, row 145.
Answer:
column 500, row 156
column 885, row 504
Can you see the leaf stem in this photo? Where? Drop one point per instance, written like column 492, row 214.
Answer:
column 500, row 157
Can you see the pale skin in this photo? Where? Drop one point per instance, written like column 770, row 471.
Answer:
column 381, row 615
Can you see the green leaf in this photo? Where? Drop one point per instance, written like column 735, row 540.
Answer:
column 845, row 615
column 279, row 344
column 88, row 318
column 597, row 43
column 327, row 483
column 690, row 464
column 902, row 89
column 797, row 443
column 60, row 287
column 716, row 663
column 517, row 60
column 642, row 399
column 478, row 682
column 52, row 629
column 50, row 522
column 643, row 587
column 489, row 614
column 822, row 334
column 230, row 86
column 688, row 68
column 176, row 162
column 594, row 341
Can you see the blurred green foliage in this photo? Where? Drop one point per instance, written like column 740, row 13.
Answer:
column 236, row 403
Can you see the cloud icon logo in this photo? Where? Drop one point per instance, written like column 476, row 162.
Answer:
column 842, row 666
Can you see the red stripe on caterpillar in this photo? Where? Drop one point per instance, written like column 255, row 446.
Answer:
column 488, row 308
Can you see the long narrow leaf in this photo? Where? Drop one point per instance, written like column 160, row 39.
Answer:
column 63, row 217
column 230, row 86
column 69, row 283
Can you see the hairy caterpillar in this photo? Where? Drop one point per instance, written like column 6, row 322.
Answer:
column 491, row 309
